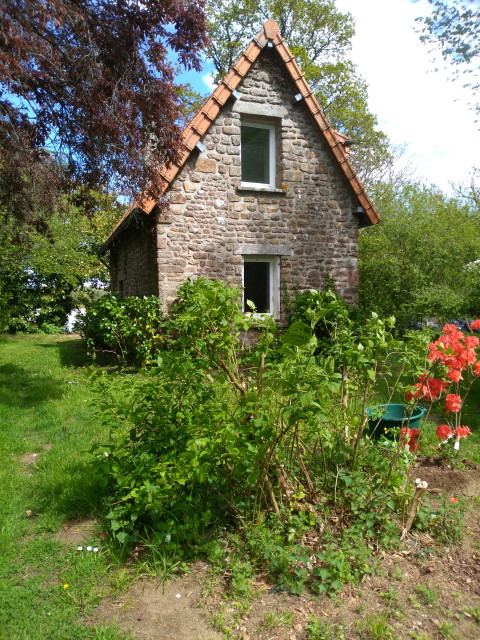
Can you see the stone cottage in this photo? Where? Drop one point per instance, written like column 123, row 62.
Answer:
column 263, row 196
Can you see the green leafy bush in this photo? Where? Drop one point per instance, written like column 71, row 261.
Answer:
column 326, row 309
column 131, row 328
column 270, row 438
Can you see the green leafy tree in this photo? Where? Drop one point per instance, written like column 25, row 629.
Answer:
column 419, row 261
column 454, row 26
column 317, row 27
column 320, row 37
column 42, row 265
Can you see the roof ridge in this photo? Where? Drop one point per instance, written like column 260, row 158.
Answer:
column 206, row 114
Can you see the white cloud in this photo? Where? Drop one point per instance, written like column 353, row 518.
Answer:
column 208, row 81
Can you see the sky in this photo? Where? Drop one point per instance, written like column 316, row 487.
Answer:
column 414, row 105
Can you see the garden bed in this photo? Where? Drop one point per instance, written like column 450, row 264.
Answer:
column 420, row 591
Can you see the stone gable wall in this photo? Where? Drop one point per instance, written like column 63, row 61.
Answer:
column 308, row 219
column 133, row 269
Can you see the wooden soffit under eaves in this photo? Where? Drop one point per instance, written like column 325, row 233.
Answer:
column 204, row 117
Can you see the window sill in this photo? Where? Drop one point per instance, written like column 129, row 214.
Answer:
column 260, row 188
column 259, row 319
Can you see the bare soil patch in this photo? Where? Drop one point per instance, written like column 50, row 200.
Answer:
column 30, row 459
column 77, row 532
column 426, row 591
column 453, row 483
column 167, row 612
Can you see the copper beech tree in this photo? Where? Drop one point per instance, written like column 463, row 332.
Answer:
column 87, row 91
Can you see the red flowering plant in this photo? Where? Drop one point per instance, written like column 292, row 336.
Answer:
column 454, row 365
column 410, row 437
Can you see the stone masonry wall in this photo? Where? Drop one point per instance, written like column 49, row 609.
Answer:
column 133, row 269
column 307, row 219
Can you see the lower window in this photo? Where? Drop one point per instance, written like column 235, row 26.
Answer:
column 261, row 284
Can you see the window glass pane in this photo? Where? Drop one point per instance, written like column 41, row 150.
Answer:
column 256, row 282
column 255, row 154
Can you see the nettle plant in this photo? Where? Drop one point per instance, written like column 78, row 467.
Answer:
column 269, row 438
column 454, row 365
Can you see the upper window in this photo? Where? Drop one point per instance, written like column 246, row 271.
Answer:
column 258, row 155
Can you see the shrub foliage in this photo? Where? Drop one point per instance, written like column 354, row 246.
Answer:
column 271, row 437
column 130, row 328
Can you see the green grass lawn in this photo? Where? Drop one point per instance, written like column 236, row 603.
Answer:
column 47, row 408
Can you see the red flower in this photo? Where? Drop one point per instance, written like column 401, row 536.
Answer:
column 411, row 394
column 462, row 432
column 451, row 329
column 435, row 388
column 475, row 324
column 443, row 432
column 472, row 341
column 476, row 368
column 454, row 350
column 409, row 436
column 470, row 355
column 454, row 375
column 453, row 402
column 413, row 442
column 454, row 500
column 429, row 389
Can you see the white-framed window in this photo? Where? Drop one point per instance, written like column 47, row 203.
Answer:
column 261, row 284
column 258, row 154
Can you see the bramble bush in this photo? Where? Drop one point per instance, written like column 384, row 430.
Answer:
column 268, row 442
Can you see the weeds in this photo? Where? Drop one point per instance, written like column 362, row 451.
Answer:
column 398, row 574
column 442, row 517
column 473, row 612
column 318, row 630
column 158, row 564
column 121, row 580
column 273, row 619
column 428, row 595
column 220, row 622
column 391, row 597
column 221, row 436
column 414, row 601
column 265, row 448
column 375, row 627
column 447, row 631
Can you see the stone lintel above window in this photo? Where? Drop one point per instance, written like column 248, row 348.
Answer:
column 263, row 250
column 260, row 110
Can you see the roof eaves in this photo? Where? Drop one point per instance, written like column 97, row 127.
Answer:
column 198, row 126
column 204, row 117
